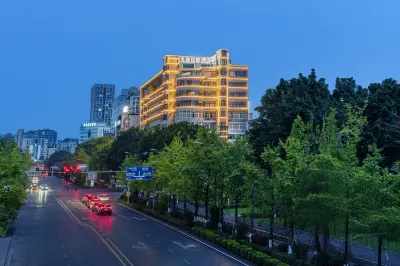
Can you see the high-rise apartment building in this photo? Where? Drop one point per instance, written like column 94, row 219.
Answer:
column 20, row 134
column 208, row 91
column 101, row 99
column 125, row 112
column 38, row 143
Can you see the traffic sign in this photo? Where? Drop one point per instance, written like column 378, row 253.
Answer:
column 139, row 173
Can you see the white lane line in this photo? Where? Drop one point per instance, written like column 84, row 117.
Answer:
column 186, row 261
column 65, row 255
column 113, row 218
column 62, row 245
column 185, row 234
column 158, row 242
column 170, row 250
column 138, row 229
column 120, row 215
column 147, row 235
column 59, row 238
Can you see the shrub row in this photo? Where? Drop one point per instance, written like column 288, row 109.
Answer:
column 241, row 250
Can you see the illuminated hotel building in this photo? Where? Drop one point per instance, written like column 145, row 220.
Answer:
column 208, row 91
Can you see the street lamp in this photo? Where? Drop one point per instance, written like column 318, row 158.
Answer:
column 198, row 143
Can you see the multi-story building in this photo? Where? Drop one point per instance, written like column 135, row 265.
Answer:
column 101, row 99
column 93, row 130
column 38, row 143
column 126, row 110
column 69, row 144
column 20, row 134
column 208, row 91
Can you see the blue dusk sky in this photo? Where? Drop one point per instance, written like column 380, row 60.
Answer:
column 52, row 52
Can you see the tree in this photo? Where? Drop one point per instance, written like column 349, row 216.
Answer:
column 383, row 112
column 307, row 97
column 57, row 158
column 12, row 165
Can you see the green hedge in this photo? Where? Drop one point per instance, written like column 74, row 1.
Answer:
column 241, row 250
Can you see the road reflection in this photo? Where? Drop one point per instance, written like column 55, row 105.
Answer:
column 41, row 197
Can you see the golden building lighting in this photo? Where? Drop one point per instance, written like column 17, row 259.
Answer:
column 208, row 91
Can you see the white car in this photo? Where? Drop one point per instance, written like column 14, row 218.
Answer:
column 103, row 197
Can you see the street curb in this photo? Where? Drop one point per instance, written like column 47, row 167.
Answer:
column 8, row 256
column 188, row 234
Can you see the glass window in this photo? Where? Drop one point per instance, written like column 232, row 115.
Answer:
column 224, row 52
column 223, row 82
column 238, row 84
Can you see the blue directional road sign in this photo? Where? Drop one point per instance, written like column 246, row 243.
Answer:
column 139, row 173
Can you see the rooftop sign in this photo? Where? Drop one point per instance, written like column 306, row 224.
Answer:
column 199, row 59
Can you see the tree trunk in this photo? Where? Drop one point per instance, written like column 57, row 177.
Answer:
column 206, row 201
column 221, row 215
column 173, row 202
column 346, row 240
column 236, row 206
column 252, row 210
column 380, row 241
column 184, row 204
column 196, row 206
column 327, row 238
column 291, row 239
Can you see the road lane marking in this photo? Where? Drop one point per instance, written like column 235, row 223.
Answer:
column 141, row 245
column 76, row 220
column 138, row 229
column 120, row 215
column 120, row 252
column 170, row 250
column 139, row 219
column 147, row 235
column 158, row 242
column 183, row 246
column 186, row 261
column 62, row 245
column 183, row 233
column 65, row 255
column 59, row 238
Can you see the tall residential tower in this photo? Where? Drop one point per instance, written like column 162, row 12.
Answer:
column 208, row 91
column 101, row 99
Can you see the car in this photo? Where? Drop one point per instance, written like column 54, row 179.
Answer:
column 86, row 197
column 104, row 197
column 97, row 206
column 34, row 186
column 104, row 208
column 43, row 186
column 91, row 202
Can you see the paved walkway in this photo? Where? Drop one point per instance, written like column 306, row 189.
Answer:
column 358, row 251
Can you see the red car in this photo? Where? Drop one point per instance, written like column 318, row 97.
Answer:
column 102, row 208
column 86, row 197
column 91, row 202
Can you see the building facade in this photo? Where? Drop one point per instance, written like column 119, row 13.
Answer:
column 93, row 130
column 101, row 99
column 126, row 110
column 38, row 143
column 20, row 134
column 208, row 91
column 69, row 144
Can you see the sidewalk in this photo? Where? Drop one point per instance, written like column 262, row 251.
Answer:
column 358, row 251
column 4, row 246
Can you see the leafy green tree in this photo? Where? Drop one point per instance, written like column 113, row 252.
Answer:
column 58, row 158
column 383, row 120
column 12, row 166
column 307, row 97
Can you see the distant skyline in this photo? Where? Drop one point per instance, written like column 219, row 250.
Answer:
column 52, row 52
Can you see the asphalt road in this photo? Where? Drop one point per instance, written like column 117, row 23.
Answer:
column 55, row 228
